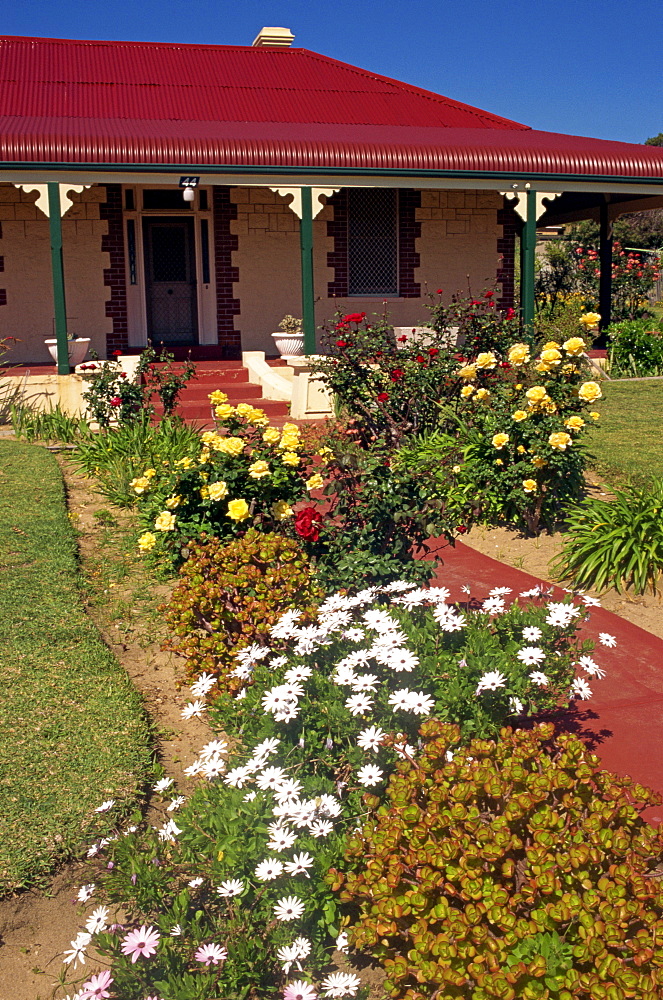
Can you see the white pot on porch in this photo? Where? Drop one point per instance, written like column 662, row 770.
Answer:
column 289, row 345
column 77, row 350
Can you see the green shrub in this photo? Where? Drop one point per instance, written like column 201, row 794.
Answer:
column 635, row 349
column 48, row 425
column 118, row 455
column 228, row 595
column 516, row 870
column 616, row 543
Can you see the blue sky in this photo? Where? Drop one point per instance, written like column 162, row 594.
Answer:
column 586, row 67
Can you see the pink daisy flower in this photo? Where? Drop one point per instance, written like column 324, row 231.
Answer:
column 97, row 987
column 141, row 942
column 299, row 990
column 211, row 954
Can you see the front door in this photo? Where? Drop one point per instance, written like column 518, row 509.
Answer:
column 170, row 280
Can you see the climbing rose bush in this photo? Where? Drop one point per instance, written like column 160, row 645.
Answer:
column 228, row 897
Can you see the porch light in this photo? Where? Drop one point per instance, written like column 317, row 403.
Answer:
column 189, row 184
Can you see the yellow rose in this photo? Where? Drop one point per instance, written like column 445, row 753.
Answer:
column 518, row 355
column 521, row 449
column 173, row 502
column 238, row 510
column 217, row 491
column 529, row 485
column 315, row 482
column 498, row 461
column 290, row 428
column 244, row 409
column 574, row 345
column 217, row 397
column 560, row 441
column 150, row 473
column 550, row 346
column 230, row 446
column 486, row 360
column 574, row 423
column 140, row 484
column 204, row 492
column 467, row 371
column 539, row 462
column 185, row 463
column 147, row 541
column 456, row 469
column 208, row 436
column 204, row 456
column 165, row 521
column 590, row 320
column 290, row 458
column 519, row 385
column 568, row 369
column 224, row 411
column 536, row 394
column 289, row 442
column 551, row 356
column 499, row 440
column 482, row 394
column 326, row 454
column 258, row 417
column 519, row 415
column 594, row 415
column 271, row 435
column 281, row 510
column 589, row 391
column 257, row 470
column 549, row 406
column 467, row 391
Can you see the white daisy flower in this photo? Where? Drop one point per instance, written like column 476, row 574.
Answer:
column 516, row 706
column 299, row 864
column 269, row 869
column 202, row 685
column 420, row 703
column 398, row 659
column 561, row 614
column 359, row 704
column 369, row 775
column 97, row 921
column 193, row 709
column 85, row 892
column 105, row 806
column 365, row 682
column 491, row 681
column 76, row 953
column 448, row 619
column 354, row 634
column 281, row 840
column 321, row 828
column 400, row 700
column 499, row 591
column 590, row 602
column 296, row 674
column 212, row 768
column 213, row 748
column 288, row 791
column 162, row 784
column 380, row 621
column 591, row 668
column 581, row 689
column 340, row 984
column 532, row 633
column 195, row 883
column 278, row 661
column 285, row 627
column 606, row 639
column 267, row 747
column 271, row 777
column 404, row 750
column 371, row 738
column 327, row 805
column 238, row 776
column 342, row 942
column 531, row 655
column 289, row 908
column 397, row 587
column 493, row 606
column 176, row 803
column 537, row 677
column 231, row 887
column 169, row 831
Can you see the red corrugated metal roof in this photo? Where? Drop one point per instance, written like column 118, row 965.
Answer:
column 138, row 103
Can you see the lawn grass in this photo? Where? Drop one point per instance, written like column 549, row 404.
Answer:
column 627, row 444
column 72, row 729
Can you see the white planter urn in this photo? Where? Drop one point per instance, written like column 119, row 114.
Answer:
column 289, row 345
column 77, row 350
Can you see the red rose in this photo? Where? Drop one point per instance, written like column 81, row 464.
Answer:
column 510, row 313
column 117, row 354
column 306, row 524
column 489, row 295
column 341, row 343
column 396, row 374
column 116, row 401
column 439, row 291
column 433, row 351
column 354, row 317
column 123, row 375
column 382, row 397
column 401, row 340
column 461, row 529
column 421, row 359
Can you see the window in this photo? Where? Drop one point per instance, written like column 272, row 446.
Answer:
column 372, row 241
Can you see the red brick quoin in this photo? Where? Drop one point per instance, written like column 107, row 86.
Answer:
column 115, row 275
column 227, row 307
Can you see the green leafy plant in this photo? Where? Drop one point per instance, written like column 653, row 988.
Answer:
column 49, row 425
column 116, row 456
column 513, row 869
column 635, row 349
column 161, row 377
column 111, row 396
column 616, row 543
column 228, row 595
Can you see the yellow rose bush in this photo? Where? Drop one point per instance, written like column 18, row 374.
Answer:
column 524, row 451
column 246, row 474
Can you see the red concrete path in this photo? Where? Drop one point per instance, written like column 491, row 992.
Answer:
column 623, row 720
